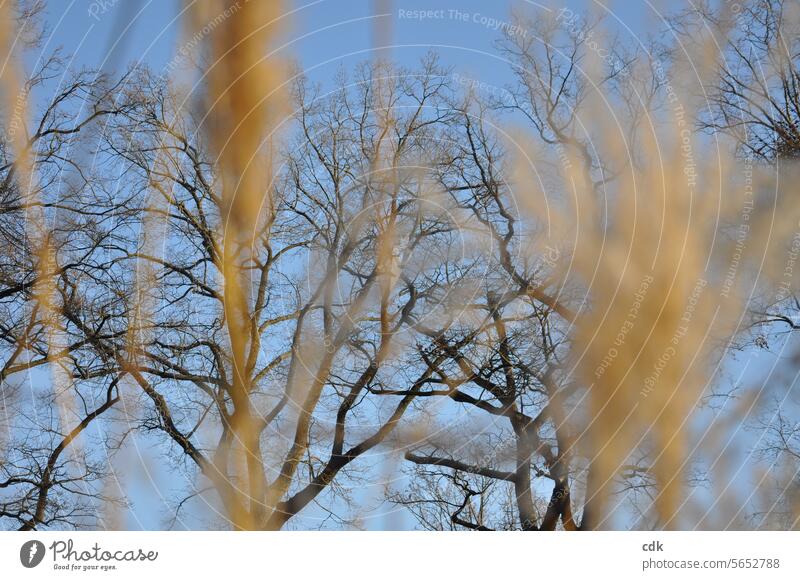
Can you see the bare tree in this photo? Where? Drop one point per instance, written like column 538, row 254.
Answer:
column 753, row 95
column 502, row 361
column 58, row 213
column 286, row 312
column 349, row 261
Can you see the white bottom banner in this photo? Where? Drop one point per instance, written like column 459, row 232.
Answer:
column 389, row 555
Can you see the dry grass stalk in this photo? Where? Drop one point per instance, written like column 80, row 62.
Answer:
column 243, row 108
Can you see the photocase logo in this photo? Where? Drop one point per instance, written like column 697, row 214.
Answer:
column 31, row 553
